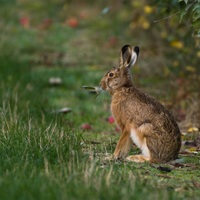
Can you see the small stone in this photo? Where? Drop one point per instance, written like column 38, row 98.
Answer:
column 63, row 110
column 55, row 81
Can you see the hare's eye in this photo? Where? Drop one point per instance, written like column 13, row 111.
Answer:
column 111, row 74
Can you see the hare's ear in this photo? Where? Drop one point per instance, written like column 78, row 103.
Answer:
column 128, row 56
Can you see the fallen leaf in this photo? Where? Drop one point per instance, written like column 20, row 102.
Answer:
column 111, row 119
column 25, row 22
column 190, row 69
column 196, row 184
column 192, row 129
column 46, row 24
column 183, row 133
column 177, row 44
column 72, row 22
column 198, row 54
column 86, row 126
column 117, row 129
column 148, row 9
column 190, row 151
column 179, row 165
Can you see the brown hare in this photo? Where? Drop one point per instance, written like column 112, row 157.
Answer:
column 141, row 118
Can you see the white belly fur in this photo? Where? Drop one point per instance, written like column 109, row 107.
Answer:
column 140, row 143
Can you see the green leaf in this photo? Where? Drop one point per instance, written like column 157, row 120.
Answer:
column 183, row 13
column 196, row 7
column 196, row 13
column 196, row 16
column 188, row 6
column 186, row 1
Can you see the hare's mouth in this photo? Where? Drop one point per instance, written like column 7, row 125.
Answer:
column 102, row 86
column 98, row 90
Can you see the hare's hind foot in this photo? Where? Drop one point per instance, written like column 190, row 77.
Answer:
column 138, row 158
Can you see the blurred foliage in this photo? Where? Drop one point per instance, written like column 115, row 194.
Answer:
column 90, row 33
column 191, row 12
column 188, row 12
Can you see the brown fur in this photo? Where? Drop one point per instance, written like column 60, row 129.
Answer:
column 154, row 127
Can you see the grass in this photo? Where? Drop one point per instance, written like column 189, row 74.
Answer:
column 48, row 156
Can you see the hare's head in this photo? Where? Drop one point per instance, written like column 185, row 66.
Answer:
column 121, row 75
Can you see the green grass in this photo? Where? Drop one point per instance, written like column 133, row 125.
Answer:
column 47, row 156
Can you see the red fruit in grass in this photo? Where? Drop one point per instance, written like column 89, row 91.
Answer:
column 117, row 129
column 46, row 24
column 72, row 22
column 112, row 42
column 111, row 119
column 24, row 21
column 86, row 126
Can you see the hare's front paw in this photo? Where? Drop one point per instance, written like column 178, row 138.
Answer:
column 119, row 155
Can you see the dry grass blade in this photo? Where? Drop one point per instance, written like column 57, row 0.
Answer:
column 95, row 89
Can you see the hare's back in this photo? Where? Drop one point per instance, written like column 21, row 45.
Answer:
column 136, row 106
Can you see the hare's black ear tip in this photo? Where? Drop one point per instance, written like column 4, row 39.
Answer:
column 125, row 47
column 137, row 50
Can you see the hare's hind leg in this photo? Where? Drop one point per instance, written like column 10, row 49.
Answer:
column 140, row 140
column 138, row 158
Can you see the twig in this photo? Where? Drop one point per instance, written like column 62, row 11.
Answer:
column 155, row 21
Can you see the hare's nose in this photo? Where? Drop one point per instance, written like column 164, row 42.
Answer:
column 102, row 84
